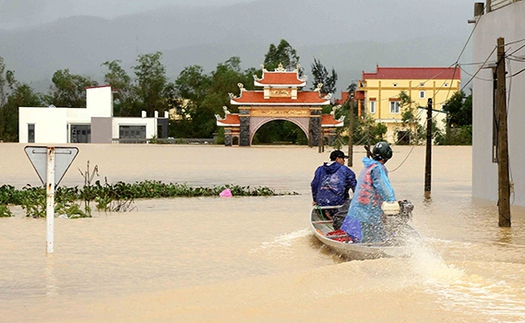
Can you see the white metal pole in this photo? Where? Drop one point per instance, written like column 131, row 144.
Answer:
column 50, row 198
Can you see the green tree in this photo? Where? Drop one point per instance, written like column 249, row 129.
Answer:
column 281, row 132
column 7, row 86
column 4, row 83
column 205, row 95
column 283, row 54
column 190, row 89
column 13, row 95
column 365, row 130
column 411, row 131
column 150, row 84
column 119, row 80
column 225, row 79
column 368, row 132
column 192, row 83
column 321, row 76
column 22, row 96
column 69, row 90
column 459, row 108
column 459, row 119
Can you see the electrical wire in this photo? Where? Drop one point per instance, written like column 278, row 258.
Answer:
column 404, row 160
column 517, row 73
column 480, row 68
column 477, row 77
column 456, row 66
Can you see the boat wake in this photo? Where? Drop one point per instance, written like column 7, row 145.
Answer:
column 283, row 242
column 468, row 285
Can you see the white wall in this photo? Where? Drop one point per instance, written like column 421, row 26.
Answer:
column 150, row 123
column 50, row 124
column 507, row 22
column 99, row 101
column 439, row 117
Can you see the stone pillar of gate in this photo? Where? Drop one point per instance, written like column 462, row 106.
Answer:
column 227, row 137
column 332, row 135
column 244, row 135
column 314, row 127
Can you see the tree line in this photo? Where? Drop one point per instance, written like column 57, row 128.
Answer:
column 196, row 95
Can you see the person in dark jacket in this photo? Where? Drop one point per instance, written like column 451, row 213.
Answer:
column 331, row 185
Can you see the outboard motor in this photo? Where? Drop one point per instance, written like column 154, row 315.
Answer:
column 397, row 214
column 402, row 209
column 396, row 221
column 405, row 210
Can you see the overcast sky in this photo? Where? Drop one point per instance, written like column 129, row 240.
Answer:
column 19, row 13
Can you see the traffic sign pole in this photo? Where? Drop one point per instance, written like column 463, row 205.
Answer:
column 50, row 199
column 51, row 164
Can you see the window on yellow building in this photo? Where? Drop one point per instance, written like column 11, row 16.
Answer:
column 394, row 106
column 421, row 94
column 372, row 107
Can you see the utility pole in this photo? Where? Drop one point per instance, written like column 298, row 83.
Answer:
column 503, row 148
column 321, row 135
column 428, row 163
column 351, row 132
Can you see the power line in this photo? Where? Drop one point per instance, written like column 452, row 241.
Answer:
column 477, row 77
column 480, row 68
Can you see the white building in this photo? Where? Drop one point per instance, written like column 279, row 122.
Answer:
column 95, row 123
column 500, row 18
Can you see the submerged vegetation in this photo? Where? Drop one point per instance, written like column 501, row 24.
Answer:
column 74, row 202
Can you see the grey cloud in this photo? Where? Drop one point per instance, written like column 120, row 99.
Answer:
column 17, row 13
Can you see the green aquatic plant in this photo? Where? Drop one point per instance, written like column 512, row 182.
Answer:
column 117, row 197
column 33, row 201
column 5, row 212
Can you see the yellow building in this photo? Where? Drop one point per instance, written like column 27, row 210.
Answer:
column 379, row 95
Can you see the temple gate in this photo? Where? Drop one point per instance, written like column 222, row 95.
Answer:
column 280, row 99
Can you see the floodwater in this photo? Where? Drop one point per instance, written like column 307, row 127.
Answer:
column 253, row 259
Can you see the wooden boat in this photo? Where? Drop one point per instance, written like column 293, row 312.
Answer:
column 400, row 234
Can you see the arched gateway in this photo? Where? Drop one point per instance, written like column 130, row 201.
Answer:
column 280, row 99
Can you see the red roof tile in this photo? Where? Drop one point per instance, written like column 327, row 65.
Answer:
column 257, row 98
column 326, row 120
column 344, row 97
column 230, row 120
column 329, row 120
column 414, row 73
column 280, row 78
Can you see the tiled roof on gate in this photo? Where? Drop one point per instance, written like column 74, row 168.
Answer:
column 257, row 98
column 280, row 78
column 229, row 120
column 233, row 120
column 414, row 73
column 328, row 120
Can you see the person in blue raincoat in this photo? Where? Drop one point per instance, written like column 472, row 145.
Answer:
column 364, row 221
column 332, row 182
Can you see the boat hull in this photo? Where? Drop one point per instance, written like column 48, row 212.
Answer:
column 397, row 246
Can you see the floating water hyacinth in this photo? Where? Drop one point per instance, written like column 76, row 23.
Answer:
column 117, row 197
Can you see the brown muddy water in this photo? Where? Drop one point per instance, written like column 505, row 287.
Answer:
column 253, row 259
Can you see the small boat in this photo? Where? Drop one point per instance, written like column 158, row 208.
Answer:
column 399, row 232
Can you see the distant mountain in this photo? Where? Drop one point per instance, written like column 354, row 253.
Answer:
column 349, row 35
